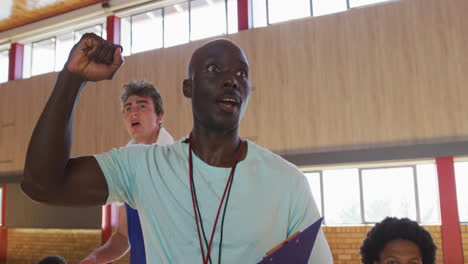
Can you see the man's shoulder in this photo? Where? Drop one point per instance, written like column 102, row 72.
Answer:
column 270, row 159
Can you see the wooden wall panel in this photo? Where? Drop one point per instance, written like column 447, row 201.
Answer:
column 387, row 74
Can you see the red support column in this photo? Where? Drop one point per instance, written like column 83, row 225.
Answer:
column 113, row 29
column 244, row 20
column 3, row 230
column 113, row 35
column 451, row 232
column 15, row 67
column 106, row 223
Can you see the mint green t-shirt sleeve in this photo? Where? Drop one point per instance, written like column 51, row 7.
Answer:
column 118, row 168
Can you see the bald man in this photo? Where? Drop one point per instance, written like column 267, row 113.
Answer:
column 210, row 197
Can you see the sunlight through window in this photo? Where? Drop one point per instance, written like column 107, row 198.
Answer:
column 147, row 31
column 279, row 11
column 43, row 56
column 4, row 61
column 176, row 24
column 208, row 18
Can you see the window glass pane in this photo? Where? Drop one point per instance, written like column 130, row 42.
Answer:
column 323, row 7
column 279, row 10
column 388, row 192
column 43, row 56
column 147, row 31
column 27, row 63
column 176, row 24
column 341, row 196
column 4, row 61
column 126, row 35
column 259, row 13
column 461, row 177
column 208, row 18
column 97, row 29
column 428, row 190
column 232, row 17
column 356, row 3
column 314, row 181
column 63, row 45
column 104, row 30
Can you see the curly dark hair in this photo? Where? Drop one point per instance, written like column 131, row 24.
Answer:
column 52, row 260
column 143, row 88
column 392, row 228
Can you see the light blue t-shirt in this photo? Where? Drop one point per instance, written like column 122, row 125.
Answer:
column 270, row 200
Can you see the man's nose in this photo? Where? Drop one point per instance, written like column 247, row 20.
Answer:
column 230, row 81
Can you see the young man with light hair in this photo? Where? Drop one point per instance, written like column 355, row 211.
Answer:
column 143, row 113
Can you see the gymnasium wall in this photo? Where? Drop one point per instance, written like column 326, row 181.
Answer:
column 77, row 244
column 388, row 74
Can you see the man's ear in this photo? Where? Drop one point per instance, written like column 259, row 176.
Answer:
column 159, row 118
column 187, row 88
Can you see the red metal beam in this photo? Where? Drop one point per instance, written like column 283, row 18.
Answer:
column 106, row 228
column 113, row 29
column 243, row 15
column 113, row 35
column 3, row 230
column 451, row 232
column 15, row 67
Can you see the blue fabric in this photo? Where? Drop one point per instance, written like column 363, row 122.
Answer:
column 135, row 237
column 270, row 200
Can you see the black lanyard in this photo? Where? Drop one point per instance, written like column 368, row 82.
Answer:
column 196, row 209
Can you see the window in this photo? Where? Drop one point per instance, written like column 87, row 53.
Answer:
column 43, row 56
column 279, row 10
column 126, row 35
column 27, row 61
column 388, row 192
column 367, row 195
column 207, row 18
column 314, row 179
column 64, row 43
column 341, row 196
column 4, row 62
column 232, row 16
column 324, row 7
column 51, row 54
column 97, row 29
column 461, row 178
column 265, row 12
column 428, row 193
column 356, row 3
column 259, row 13
column 176, row 24
column 147, row 31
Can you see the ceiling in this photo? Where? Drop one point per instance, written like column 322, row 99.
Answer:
column 15, row 13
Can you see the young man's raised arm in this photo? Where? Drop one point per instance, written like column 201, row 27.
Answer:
column 50, row 175
column 116, row 246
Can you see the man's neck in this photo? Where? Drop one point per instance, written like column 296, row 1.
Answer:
column 149, row 139
column 216, row 149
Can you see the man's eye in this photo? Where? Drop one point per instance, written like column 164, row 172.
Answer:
column 142, row 106
column 127, row 109
column 213, row 68
column 241, row 73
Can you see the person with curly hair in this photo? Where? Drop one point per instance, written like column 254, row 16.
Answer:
column 52, row 260
column 398, row 241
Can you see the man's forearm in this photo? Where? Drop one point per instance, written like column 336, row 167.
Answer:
column 115, row 248
column 49, row 148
